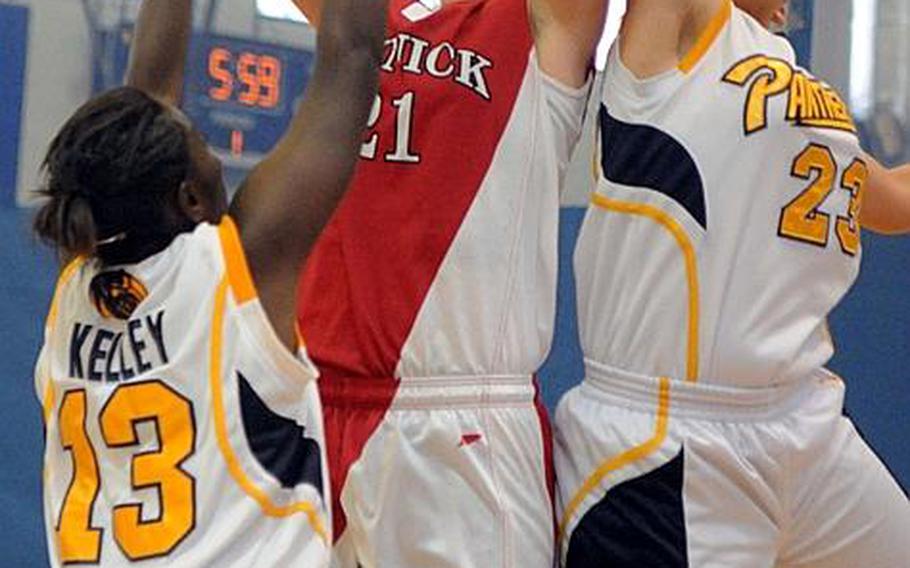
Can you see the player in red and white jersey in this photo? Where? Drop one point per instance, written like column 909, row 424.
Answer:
column 428, row 303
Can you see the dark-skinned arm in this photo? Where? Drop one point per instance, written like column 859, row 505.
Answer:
column 289, row 197
column 312, row 9
column 159, row 49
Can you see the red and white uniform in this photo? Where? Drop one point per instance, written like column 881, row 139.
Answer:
column 429, row 301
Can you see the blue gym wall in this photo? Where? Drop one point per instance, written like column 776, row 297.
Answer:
column 13, row 34
column 872, row 328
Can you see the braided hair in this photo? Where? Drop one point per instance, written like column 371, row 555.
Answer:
column 111, row 177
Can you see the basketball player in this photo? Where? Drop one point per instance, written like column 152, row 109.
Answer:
column 182, row 430
column 428, row 302
column 724, row 228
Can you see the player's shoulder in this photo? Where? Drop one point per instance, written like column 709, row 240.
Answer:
column 192, row 257
column 204, row 250
column 756, row 37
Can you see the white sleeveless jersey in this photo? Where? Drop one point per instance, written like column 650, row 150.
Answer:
column 180, row 431
column 723, row 228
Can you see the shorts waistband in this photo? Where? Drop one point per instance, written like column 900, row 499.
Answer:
column 699, row 399
column 428, row 392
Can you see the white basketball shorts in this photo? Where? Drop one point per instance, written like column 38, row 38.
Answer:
column 659, row 473
column 440, row 473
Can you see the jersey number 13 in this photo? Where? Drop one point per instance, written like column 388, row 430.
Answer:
column 171, row 417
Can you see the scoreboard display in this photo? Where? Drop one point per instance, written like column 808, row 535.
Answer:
column 241, row 94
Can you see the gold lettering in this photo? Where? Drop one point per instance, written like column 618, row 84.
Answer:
column 813, row 111
column 797, row 97
column 774, row 76
column 809, row 101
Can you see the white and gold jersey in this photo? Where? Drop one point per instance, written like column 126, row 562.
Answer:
column 723, row 228
column 180, row 430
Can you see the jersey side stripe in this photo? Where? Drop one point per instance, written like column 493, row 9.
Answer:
column 48, row 400
column 688, row 251
column 215, row 377
column 238, row 270
column 65, row 275
column 619, row 461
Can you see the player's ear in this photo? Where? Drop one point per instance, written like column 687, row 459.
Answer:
column 192, row 203
column 781, row 16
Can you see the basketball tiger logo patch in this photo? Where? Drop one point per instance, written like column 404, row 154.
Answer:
column 117, row 294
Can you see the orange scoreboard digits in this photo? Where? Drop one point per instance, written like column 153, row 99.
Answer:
column 219, row 73
column 245, row 77
column 240, row 93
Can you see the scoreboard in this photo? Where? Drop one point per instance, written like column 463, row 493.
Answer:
column 241, row 94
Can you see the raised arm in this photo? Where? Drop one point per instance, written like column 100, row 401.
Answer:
column 312, row 9
column 886, row 200
column 159, row 49
column 289, row 197
column 657, row 35
column 566, row 34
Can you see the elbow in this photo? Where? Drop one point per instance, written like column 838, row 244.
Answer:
column 886, row 202
column 890, row 230
column 889, row 222
column 353, row 68
column 360, row 69
column 351, row 46
column 362, row 59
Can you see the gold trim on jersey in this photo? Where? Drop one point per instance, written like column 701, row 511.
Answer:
column 65, row 275
column 235, row 261
column 707, row 37
column 688, row 250
column 221, row 430
column 49, row 400
column 301, row 344
column 614, row 463
column 238, row 270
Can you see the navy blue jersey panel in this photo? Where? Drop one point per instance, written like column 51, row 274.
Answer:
column 638, row 155
column 279, row 444
column 640, row 522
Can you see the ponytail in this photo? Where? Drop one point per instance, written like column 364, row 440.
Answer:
column 65, row 222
